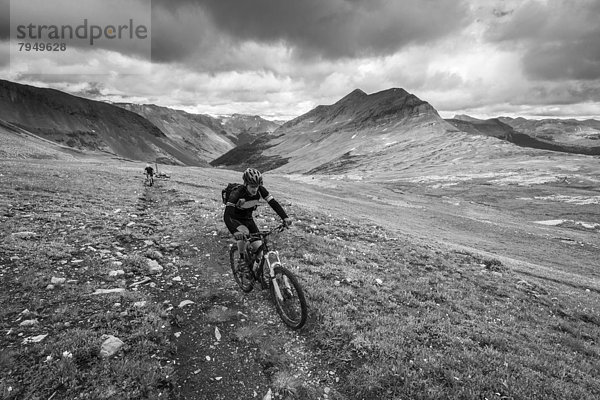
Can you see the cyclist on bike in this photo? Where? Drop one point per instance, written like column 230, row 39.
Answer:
column 149, row 171
column 242, row 202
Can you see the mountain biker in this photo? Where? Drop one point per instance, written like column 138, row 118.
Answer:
column 149, row 171
column 242, row 202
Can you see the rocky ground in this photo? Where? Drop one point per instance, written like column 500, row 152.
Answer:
column 90, row 255
column 128, row 251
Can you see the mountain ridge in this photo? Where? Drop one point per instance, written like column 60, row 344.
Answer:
column 361, row 134
column 146, row 132
column 89, row 124
column 562, row 135
column 354, row 126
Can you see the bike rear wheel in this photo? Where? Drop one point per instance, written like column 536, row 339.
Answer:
column 291, row 303
column 243, row 282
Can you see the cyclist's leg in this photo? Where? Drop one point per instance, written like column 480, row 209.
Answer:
column 253, row 229
column 241, row 227
column 242, row 243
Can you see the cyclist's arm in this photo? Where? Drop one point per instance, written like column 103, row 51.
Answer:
column 273, row 203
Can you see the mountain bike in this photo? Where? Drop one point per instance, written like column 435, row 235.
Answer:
column 149, row 181
column 267, row 269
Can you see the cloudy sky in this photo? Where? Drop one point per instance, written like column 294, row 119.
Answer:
column 281, row 58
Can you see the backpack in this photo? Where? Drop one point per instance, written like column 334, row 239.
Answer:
column 225, row 193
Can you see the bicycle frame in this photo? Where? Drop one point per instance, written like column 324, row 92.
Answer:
column 266, row 259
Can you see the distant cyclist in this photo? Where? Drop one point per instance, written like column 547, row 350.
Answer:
column 242, row 202
column 149, row 171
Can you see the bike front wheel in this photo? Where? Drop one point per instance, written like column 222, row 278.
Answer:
column 243, row 282
column 289, row 298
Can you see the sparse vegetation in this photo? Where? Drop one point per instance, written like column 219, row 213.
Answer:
column 52, row 324
column 390, row 317
column 397, row 320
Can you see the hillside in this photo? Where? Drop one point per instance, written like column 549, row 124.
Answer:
column 489, row 127
column 89, row 125
column 19, row 143
column 209, row 137
column 338, row 137
column 202, row 134
column 568, row 136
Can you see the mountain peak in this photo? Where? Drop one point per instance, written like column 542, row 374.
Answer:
column 360, row 109
column 392, row 92
column 356, row 94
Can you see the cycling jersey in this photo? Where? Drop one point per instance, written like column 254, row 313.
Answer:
column 149, row 170
column 241, row 205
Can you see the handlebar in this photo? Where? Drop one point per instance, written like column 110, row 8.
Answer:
column 262, row 234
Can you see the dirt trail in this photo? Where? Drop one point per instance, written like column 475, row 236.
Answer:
column 230, row 345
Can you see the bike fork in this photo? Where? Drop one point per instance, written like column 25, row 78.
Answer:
column 271, row 266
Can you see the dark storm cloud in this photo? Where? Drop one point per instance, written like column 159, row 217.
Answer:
column 561, row 38
column 563, row 94
column 172, row 38
column 331, row 29
column 578, row 59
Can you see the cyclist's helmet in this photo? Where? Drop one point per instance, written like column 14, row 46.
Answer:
column 252, row 177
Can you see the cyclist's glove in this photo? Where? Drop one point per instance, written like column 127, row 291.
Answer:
column 287, row 221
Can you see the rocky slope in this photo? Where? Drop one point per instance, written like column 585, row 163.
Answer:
column 89, row 125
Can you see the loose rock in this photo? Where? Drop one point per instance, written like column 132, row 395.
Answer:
column 154, row 267
column 110, row 346
column 108, row 291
